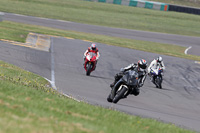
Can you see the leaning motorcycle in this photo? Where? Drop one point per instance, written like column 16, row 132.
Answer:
column 90, row 63
column 128, row 84
column 156, row 75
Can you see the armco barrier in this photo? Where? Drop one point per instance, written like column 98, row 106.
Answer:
column 1, row 16
column 138, row 3
column 153, row 5
column 117, row 2
column 149, row 4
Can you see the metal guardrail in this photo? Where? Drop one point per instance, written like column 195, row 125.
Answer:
column 1, row 16
column 153, row 5
column 137, row 3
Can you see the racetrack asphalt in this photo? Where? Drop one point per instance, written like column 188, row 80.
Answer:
column 181, row 40
column 178, row 102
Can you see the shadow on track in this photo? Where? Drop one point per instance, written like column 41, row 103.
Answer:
column 101, row 77
column 154, row 88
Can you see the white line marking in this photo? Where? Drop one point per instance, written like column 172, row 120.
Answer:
column 63, row 21
column 71, row 97
column 52, row 81
column 198, row 62
column 62, row 93
column 52, row 84
column 187, row 49
column 52, row 67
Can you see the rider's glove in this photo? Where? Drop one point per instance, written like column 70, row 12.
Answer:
column 140, row 84
column 122, row 70
column 84, row 57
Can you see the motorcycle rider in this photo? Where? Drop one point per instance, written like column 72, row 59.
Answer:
column 154, row 64
column 93, row 48
column 140, row 68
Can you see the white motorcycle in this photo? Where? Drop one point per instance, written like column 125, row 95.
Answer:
column 156, row 75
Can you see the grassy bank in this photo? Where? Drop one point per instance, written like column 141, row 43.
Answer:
column 18, row 32
column 107, row 15
column 28, row 104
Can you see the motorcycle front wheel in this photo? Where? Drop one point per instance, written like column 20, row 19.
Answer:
column 119, row 94
column 89, row 68
column 158, row 83
column 109, row 98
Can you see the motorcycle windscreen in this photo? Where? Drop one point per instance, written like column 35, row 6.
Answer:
column 152, row 72
column 156, row 71
column 92, row 56
column 131, row 78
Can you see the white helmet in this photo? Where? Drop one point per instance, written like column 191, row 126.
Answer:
column 159, row 59
column 93, row 46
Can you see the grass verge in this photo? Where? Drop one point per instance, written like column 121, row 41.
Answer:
column 18, row 32
column 28, row 104
column 107, row 15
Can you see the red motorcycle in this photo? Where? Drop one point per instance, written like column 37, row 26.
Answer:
column 90, row 63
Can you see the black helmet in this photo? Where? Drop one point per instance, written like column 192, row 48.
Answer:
column 159, row 59
column 142, row 65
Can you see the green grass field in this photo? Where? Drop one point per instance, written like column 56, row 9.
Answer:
column 28, row 104
column 107, row 15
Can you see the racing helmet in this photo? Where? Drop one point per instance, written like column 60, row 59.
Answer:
column 142, row 65
column 159, row 59
column 93, row 46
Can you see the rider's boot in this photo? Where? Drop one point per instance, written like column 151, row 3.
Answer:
column 84, row 62
column 136, row 91
column 152, row 79
column 112, row 84
column 95, row 65
column 117, row 77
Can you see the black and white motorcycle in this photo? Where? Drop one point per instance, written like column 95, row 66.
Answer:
column 128, row 84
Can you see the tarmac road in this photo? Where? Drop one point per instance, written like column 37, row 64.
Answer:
column 185, row 41
column 178, row 102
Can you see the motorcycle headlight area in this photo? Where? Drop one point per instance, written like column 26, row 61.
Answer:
column 88, row 57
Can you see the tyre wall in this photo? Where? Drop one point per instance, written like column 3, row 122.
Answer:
column 184, row 9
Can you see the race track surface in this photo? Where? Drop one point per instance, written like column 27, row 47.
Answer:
column 185, row 41
column 178, row 102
